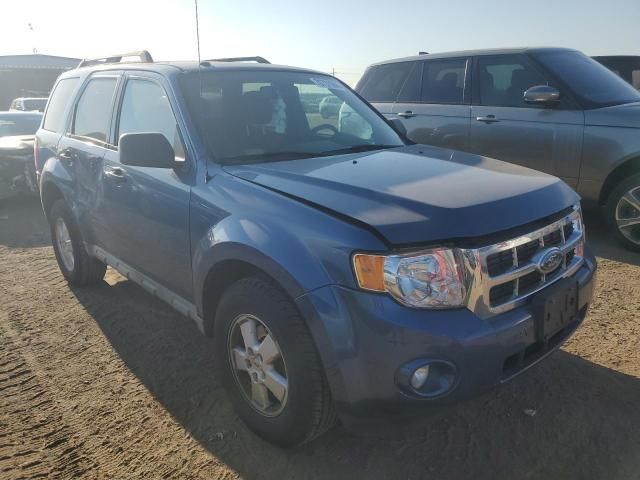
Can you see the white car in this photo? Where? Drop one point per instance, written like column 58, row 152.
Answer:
column 33, row 104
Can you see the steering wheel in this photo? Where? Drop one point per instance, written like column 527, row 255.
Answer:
column 324, row 126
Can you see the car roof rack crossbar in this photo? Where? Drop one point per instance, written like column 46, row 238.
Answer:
column 239, row 59
column 143, row 55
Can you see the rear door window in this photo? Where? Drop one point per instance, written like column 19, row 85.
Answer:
column 93, row 111
column 443, row 81
column 383, row 83
column 54, row 119
column 410, row 91
column 504, row 79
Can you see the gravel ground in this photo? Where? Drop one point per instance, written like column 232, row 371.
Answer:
column 108, row 382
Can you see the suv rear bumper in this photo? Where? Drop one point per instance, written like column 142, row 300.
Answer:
column 365, row 338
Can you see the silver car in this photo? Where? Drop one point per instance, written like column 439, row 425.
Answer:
column 550, row 109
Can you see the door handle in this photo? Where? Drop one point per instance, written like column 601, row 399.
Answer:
column 488, row 119
column 407, row 114
column 116, row 173
column 66, row 156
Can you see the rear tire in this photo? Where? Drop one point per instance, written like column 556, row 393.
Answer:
column 304, row 409
column 623, row 210
column 77, row 266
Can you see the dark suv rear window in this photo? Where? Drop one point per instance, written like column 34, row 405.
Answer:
column 61, row 96
column 383, row 83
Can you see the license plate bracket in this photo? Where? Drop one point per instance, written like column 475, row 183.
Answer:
column 555, row 307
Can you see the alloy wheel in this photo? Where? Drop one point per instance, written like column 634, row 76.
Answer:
column 258, row 365
column 628, row 215
column 65, row 247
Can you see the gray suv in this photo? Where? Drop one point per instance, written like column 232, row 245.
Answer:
column 550, row 109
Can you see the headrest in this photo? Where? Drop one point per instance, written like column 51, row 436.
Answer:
column 258, row 106
column 450, row 79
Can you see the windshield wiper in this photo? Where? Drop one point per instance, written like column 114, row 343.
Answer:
column 358, row 148
column 265, row 157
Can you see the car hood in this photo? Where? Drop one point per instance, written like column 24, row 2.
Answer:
column 17, row 143
column 626, row 115
column 417, row 193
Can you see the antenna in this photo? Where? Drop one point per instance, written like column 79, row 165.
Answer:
column 206, row 162
column 197, row 32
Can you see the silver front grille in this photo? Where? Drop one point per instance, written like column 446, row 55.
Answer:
column 503, row 275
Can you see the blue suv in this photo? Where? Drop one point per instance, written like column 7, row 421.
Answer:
column 342, row 270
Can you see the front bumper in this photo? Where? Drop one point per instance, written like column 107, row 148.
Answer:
column 364, row 338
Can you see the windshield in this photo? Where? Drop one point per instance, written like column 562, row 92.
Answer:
column 19, row 125
column 593, row 84
column 35, row 104
column 253, row 116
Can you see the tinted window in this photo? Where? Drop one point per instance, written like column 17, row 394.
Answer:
column 383, row 83
column 251, row 116
column 443, row 81
column 60, row 98
column 35, row 104
column 594, row 84
column 146, row 108
column 410, row 91
column 93, row 112
column 503, row 80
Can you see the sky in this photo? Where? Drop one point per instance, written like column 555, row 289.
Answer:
column 341, row 36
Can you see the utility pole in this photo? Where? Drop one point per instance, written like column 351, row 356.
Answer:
column 35, row 50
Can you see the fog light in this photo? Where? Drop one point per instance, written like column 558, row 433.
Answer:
column 426, row 377
column 419, row 377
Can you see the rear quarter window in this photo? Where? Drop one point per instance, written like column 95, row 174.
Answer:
column 383, row 83
column 60, row 97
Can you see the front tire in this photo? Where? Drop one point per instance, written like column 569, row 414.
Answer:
column 269, row 365
column 623, row 212
column 77, row 266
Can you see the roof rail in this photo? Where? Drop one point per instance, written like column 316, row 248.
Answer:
column 239, row 59
column 143, row 55
column 423, row 53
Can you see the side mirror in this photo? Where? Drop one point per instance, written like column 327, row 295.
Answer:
column 398, row 126
column 146, row 150
column 542, row 95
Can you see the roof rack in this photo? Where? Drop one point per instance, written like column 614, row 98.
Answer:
column 239, row 59
column 143, row 55
column 423, row 53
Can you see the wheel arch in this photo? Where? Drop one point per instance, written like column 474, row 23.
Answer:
column 49, row 194
column 623, row 170
column 232, row 263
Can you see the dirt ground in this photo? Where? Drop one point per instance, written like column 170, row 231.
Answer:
column 108, row 382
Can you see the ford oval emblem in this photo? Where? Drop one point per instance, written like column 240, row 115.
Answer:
column 549, row 260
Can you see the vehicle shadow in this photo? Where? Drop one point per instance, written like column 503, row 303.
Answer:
column 603, row 242
column 22, row 223
column 566, row 418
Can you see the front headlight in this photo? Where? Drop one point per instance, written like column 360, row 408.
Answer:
column 427, row 279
